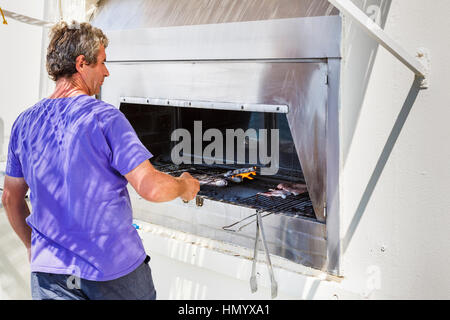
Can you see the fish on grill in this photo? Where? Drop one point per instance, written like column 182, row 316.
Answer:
column 208, row 180
column 286, row 189
column 294, row 188
column 275, row 193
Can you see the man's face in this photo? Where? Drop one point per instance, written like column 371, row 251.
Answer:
column 95, row 74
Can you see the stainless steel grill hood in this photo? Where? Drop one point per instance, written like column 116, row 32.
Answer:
column 242, row 52
column 134, row 14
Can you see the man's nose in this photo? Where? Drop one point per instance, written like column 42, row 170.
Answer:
column 106, row 72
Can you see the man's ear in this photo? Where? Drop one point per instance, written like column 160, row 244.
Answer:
column 80, row 62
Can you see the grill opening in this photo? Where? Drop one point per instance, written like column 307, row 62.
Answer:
column 154, row 126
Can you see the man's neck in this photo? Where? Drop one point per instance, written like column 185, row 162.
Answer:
column 69, row 87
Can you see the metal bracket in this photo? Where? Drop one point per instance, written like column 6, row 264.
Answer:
column 424, row 56
column 199, row 201
column 416, row 64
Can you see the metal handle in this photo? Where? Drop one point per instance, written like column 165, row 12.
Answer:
column 253, row 282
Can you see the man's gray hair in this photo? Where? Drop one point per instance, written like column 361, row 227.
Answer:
column 67, row 42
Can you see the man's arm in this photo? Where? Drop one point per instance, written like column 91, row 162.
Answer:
column 156, row 186
column 13, row 199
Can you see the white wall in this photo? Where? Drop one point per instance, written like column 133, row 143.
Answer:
column 186, row 266
column 395, row 157
column 23, row 76
column 20, row 69
column 394, row 176
column 395, row 163
column 20, row 65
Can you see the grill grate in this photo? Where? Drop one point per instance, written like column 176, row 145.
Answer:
column 296, row 205
column 197, row 169
column 299, row 205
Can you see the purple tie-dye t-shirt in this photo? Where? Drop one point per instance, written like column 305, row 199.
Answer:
column 73, row 153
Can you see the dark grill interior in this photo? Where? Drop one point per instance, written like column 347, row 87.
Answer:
column 154, row 125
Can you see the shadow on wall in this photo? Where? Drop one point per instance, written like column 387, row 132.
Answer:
column 184, row 280
column 360, row 53
column 382, row 160
column 358, row 58
column 14, row 267
column 2, row 140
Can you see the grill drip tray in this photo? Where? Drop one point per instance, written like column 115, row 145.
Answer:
column 245, row 193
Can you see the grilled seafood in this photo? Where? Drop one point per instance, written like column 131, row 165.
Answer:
column 205, row 179
column 294, row 188
column 275, row 193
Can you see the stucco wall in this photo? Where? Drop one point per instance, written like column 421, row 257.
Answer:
column 394, row 163
column 394, row 168
column 20, row 65
column 20, row 68
column 395, row 176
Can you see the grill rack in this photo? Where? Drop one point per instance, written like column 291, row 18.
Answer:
column 299, row 205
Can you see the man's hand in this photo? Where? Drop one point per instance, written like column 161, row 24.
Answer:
column 192, row 186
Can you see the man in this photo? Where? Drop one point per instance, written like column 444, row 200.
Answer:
column 76, row 154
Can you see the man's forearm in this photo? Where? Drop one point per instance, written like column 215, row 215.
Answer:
column 156, row 186
column 17, row 213
column 169, row 187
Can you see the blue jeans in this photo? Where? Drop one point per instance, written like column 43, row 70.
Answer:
column 137, row 285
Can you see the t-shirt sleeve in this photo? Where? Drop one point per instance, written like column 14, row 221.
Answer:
column 127, row 151
column 13, row 165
